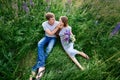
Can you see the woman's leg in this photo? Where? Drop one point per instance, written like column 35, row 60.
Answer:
column 71, row 53
column 71, row 49
column 76, row 62
column 83, row 54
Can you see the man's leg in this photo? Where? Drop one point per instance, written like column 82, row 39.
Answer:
column 50, row 46
column 51, row 42
column 41, row 54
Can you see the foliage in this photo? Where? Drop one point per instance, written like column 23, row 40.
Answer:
column 92, row 22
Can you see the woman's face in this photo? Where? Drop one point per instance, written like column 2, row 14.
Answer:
column 60, row 22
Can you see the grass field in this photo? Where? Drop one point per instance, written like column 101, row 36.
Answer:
column 93, row 23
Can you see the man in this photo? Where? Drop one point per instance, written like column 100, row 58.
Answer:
column 50, row 28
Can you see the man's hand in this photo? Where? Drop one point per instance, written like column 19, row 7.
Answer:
column 59, row 26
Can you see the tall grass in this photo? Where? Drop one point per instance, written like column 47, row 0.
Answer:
column 92, row 21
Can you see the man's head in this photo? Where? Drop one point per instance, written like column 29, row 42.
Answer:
column 50, row 17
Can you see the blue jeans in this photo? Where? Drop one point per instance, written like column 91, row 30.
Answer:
column 42, row 55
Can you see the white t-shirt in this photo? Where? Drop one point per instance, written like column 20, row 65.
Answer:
column 64, row 29
column 46, row 26
column 65, row 33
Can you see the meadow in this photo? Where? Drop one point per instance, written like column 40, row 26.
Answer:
column 95, row 24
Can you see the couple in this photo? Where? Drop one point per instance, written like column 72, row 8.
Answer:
column 51, row 26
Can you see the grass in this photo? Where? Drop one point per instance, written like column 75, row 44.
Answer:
column 92, row 22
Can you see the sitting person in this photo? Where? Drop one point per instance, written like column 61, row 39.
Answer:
column 50, row 27
column 67, row 41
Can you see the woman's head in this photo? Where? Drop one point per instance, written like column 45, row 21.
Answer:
column 64, row 21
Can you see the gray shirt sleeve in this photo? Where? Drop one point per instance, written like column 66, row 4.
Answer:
column 44, row 26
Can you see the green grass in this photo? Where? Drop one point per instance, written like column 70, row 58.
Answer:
column 92, row 22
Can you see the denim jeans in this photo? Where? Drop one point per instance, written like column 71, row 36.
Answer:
column 42, row 53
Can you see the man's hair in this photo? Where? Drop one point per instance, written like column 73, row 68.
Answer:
column 64, row 20
column 49, row 15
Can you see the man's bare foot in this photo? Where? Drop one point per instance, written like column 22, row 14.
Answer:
column 32, row 75
column 41, row 69
column 40, row 73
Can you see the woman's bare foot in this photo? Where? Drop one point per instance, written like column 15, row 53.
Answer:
column 82, row 69
column 87, row 57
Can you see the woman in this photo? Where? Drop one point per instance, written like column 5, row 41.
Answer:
column 67, row 41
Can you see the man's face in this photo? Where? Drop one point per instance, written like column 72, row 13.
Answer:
column 51, row 21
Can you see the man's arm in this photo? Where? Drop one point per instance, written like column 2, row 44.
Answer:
column 52, row 32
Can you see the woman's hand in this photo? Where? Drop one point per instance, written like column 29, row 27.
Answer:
column 72, row 37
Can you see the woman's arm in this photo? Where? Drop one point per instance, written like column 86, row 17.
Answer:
column 71, row 32
column 72, row 37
